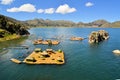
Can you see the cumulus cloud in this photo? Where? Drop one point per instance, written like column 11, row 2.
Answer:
column 47, row 11
column 50, row 11
column 14, row 9
column 64, row 9
column 6, row 2
column 40, row 10
column 89, row 4
column 23, row 8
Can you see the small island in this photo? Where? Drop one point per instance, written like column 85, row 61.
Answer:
column 76, row 38
column 46, row 42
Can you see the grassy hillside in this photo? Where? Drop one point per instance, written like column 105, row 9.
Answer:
column 64, row 23
column 5, row 35
column 11, row 28
column 115, row 24
column 47, row 23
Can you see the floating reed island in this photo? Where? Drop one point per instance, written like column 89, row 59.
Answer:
column 76, row 38
column 46, row 42
column 47, row 56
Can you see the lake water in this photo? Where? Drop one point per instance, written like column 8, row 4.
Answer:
column 83, row 61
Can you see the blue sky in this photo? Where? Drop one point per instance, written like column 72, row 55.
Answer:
column 73, row 10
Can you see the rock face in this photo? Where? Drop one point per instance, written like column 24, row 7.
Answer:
column 98, row 36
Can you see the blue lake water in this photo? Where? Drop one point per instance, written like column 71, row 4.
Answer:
column 83, row 61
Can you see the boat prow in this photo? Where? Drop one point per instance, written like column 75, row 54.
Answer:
column 15, row 60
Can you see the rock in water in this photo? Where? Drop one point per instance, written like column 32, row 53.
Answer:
column 98, row 36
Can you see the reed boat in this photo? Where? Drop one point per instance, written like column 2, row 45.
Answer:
column 15, row 60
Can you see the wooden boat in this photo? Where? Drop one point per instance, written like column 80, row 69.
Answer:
column 15, row 60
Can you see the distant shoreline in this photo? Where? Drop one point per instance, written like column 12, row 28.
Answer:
column 64, row 23
column 70, row 27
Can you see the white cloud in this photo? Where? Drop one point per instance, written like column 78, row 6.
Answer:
column 23, row 8
column 27, row 8
column 64, row 9
column 40, row 10
column 13, row 10
column 50, row 11
column 47, row 11
column 89, row 4
column 6, row 2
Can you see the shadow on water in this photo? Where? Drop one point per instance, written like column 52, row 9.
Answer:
column 11, row 43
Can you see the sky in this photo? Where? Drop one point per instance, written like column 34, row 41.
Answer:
column 73, row 10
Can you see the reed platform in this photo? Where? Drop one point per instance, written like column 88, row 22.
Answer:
column 76, row 38
column 46, row 42
column 45, row 57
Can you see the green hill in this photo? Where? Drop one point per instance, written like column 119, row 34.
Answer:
column 11, row 28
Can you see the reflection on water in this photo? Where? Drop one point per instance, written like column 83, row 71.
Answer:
column 12, row 42
column 83, row 60
column 4, row 46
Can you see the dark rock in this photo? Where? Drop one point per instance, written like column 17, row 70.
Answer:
column 98, row 36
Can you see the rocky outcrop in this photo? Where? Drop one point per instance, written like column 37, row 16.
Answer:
column 98, row 36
